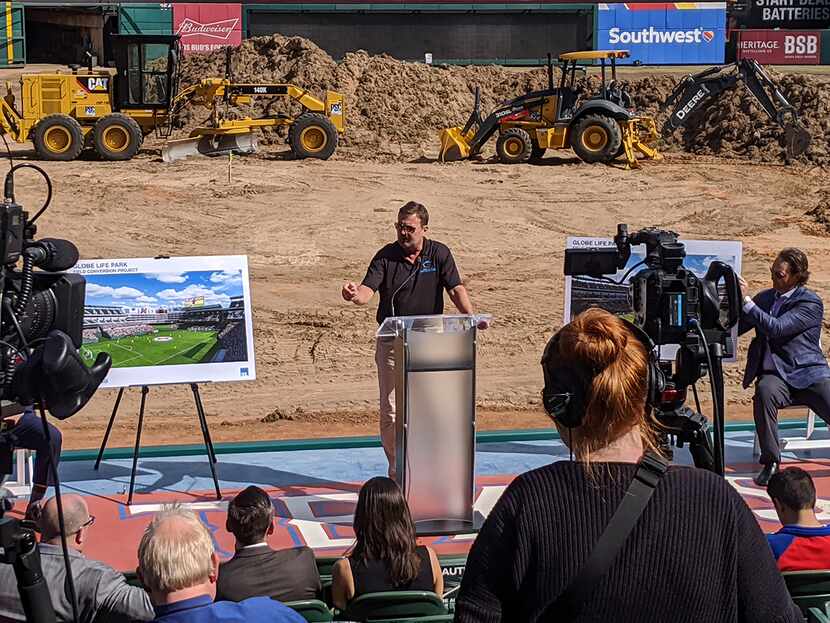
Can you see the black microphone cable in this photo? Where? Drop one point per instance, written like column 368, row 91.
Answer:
column 412, row 273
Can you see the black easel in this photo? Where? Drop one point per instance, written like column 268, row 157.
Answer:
column 200, row 412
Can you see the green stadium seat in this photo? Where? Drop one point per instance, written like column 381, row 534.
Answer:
column 312, row 610
column 810, row 591
column 324, row 567
column 398, row 606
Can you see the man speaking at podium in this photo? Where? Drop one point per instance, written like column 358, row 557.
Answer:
column 411, row 275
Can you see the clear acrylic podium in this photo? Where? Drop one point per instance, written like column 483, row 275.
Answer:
column 435, row 358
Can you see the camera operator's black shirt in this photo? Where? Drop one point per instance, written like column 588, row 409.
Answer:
column 423, row 293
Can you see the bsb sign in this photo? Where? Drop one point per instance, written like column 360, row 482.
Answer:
column 780, row 47
column 664, row 33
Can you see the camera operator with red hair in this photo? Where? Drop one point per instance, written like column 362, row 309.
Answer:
column 691, row 552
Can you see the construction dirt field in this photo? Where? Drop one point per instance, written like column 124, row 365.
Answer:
column 308, row 226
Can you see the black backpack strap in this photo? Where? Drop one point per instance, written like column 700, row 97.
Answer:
column 651, row 468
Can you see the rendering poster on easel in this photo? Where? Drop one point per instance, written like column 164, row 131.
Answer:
column 169, row 320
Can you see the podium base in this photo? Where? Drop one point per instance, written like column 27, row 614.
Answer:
column 448, row 527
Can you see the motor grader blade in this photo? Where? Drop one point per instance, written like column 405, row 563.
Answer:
column 454, row 145
column 796, row 139
column 209, row 145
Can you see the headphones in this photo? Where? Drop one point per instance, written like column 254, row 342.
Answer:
column 568, row 407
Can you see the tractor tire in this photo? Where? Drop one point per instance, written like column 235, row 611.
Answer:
column 596, row 138
column 514, row 146
column 536, row 153
column 312, row 135
column 58, row 137
column 117, row 137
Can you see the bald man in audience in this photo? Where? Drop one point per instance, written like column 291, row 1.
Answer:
column 103, row 594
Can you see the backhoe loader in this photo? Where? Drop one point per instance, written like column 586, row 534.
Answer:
column 599, row 128
column 694, row 91
column 64, row 113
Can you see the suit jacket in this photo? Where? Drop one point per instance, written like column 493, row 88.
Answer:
column 792, row 337
column 103, row 593
column 284, row 575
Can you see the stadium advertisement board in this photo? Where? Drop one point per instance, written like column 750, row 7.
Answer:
column 788, row 14
column 584, row 292
column 672, row 33
column 205, row 27
column 172, row 320
column 780, row 47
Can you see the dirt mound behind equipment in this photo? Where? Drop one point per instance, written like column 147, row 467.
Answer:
column 395, row 108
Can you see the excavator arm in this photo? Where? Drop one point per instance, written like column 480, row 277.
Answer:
column 694, row 91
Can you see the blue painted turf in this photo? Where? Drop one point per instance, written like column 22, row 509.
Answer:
column 336, row 468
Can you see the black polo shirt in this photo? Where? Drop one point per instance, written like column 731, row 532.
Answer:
column 423, row 293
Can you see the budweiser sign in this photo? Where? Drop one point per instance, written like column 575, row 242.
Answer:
column 214, row 30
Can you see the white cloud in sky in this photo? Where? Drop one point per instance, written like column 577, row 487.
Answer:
column 168, row 277
column 226, row 279
column 95, row 290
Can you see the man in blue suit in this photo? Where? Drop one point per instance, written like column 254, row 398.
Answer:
column 785, row 358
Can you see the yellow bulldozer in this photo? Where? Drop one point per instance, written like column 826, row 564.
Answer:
column 600, row 128
column 65, row 113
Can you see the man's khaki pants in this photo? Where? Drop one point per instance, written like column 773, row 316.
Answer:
column 385, row 360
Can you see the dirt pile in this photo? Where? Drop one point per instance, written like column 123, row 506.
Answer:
column 398, row 108
column 735, row 125
column 818, row 218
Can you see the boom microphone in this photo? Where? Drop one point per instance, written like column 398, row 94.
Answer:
column 52, row 254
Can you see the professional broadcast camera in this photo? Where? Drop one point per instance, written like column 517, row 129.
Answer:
column 675, row 307
column 41, row 324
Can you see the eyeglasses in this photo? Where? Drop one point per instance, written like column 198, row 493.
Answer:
column 88, row 522
column 403, row 227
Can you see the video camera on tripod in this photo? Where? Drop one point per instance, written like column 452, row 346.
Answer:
column 41, row 326
column 675, row 306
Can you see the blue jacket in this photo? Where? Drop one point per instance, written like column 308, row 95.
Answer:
column 793, row 338
column 203, row 609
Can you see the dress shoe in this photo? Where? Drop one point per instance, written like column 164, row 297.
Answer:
column 762, row 479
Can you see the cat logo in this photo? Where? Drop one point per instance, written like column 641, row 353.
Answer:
column 95, row 84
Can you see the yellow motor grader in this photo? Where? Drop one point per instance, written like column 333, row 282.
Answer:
column 64, row 113
column 599, row 129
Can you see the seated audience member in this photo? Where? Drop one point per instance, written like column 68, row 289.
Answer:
column 102, row 593
column 257, row 570
column 803, row 543
column 178, row 568
column 385, row 556
column 695, row 554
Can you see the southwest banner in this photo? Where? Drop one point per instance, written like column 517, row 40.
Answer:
column 672, row 33
column 205, row 27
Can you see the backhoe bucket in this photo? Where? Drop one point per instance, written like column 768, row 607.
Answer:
column 796, row 139
column 639, row 135
column 454, row 145
column 209, row 145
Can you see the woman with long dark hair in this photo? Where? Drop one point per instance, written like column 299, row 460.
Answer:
column 385, row 556
column 695, row 554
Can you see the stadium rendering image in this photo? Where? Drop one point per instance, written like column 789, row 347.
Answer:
column 181, row 330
